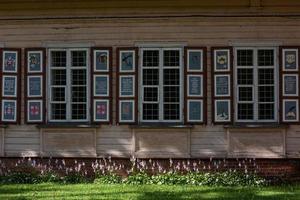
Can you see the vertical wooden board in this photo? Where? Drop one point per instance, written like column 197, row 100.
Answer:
column 293, row 141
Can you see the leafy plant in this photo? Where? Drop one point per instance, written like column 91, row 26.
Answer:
column 73, row 178
column 108, row 179
column 20, row 178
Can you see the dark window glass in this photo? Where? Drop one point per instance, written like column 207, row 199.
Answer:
column 171, row 58
column 245, row 57
column 78, row 58
column 265, row 57
column 245, row 76
column 58, row 58
column 245, row 111
column 151, row 58
column 150, row 111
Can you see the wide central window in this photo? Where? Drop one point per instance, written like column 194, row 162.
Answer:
column 255, row 86
column 161, row 85
column 68, row 85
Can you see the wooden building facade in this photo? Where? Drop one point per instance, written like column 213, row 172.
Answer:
column 150, row 79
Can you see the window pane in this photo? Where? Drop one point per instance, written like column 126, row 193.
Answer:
column 58, row 111
column 171, row 77
column 266, row 111
column 245, row 94
column 245, row 111
column 78, row 111
column 58, row 77
column 150, row 77
column 78, row 58
column 265, row 57
column 265, row 76
column 151, row 58
column 150, row 94
column 150, row 111
column 245, row 76
column 78, row 76
column 58, row 94
column 171, row 111
column 171, row 58
column 266, row 93
column 171, row 94
column 245, row 57
column 79, row 94
column 58, row 58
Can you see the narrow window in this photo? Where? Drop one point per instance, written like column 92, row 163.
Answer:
column 161, row 85
column 255, row 84
column 68, row 85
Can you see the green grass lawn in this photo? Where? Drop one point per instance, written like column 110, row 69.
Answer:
column 144, row 192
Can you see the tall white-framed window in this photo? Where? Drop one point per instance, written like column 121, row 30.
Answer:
column 256, row 84
column 161, row 85
column 68, row 85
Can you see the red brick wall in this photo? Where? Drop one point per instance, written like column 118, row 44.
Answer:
column 277, row 169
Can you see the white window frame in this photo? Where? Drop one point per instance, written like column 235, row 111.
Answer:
column 16, row 85
column 133, row 111
column 107, row 90
column 161, row 67
column 215, row 85
column 68, row 101
column 228, row 57
column 17, row 61
column 283, row 110
column 188, row 110
column 283, row 85
column 188, row 60
column 15, row 110
column 133, row 60
column 95, row 60
column 41, row 85
column 255, row 68
column 41, row 110
column 283, row 60
column 229, row 110
column 41, row 61
column 133, row 85
column 107, row 110
column 188, row 85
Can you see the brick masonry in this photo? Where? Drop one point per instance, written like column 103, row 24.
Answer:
column 274, row 169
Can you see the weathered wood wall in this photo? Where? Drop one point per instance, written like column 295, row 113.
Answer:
column 74, row 8
column 123, row 141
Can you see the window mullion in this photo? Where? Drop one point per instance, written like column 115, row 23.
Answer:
column 255, row 81
column 68, row 99
column 161, row 86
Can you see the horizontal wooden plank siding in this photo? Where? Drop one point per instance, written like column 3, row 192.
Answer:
column 124, row 141
column 209, row 141
column 162, row 143
column 21, row 141
column 68, row 142
column 267, row 143
column 114, row 141
column 293, row 141
column 48, row 8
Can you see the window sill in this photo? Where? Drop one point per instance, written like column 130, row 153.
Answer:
column 161, row 126
column 70, row 125
column 258, row 125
